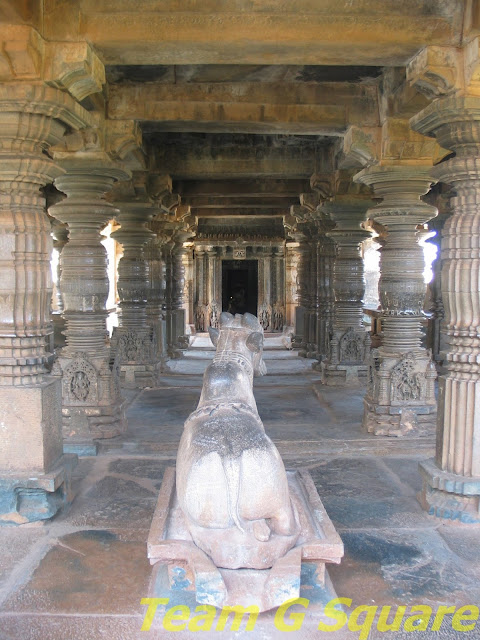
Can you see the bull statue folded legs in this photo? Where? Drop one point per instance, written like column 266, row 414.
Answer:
column 231, row 481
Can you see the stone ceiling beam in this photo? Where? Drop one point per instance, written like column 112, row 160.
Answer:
column 239, row 202
column 182, row 162
column 370, row 32
column 251, row 107
column 240, row 213
column 241, row 188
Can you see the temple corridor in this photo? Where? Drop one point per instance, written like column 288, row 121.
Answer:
column 82, row 574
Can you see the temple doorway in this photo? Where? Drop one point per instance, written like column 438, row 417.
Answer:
column 240, row 286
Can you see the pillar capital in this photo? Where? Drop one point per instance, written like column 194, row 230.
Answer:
column 401, row 188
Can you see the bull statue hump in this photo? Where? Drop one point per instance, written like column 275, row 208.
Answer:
column 231, row 482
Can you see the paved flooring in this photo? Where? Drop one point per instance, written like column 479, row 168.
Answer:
column 82, row 575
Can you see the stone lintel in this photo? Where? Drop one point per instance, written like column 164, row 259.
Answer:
column 213, row 33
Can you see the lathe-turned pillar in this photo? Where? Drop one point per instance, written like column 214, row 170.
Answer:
column 133, row 340
column 452, row 480
column 91, row 402
column 176, row 330
column 200, row 306
column 348, row 352
column 34, row 472
column 400, row 395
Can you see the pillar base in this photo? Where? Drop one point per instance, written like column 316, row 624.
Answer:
column 92, row 407
column 29, row 497
column 448, row 495
column 340, row 375
column 396, row 421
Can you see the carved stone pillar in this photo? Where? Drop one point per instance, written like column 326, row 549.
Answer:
column 60, row 239
column 265, row 290
column 200, row 307
column 278, row 289
column 324, row 256
column 156, row 303
column 400, row 396
column 133, row 340
column 303, row 251
column 214, row 305
column 176, row 337
column 291, row 297
column 92, row 405
column 452, row 480
column 348, row 353
column 34, row 472
column 188, row 285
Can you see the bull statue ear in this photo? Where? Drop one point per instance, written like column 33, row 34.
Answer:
column 254, row 342
column 214, row 333
column 226, row 319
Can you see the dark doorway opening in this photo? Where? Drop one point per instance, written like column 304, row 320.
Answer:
column 240, row 286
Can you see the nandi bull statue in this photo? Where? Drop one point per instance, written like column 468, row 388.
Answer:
column 231, row 482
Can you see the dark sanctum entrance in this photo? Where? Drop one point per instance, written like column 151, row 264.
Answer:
column 240, row 286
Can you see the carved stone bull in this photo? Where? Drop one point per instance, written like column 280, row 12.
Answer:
column 231, row 481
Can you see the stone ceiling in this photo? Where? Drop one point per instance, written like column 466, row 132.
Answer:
column 241, row 101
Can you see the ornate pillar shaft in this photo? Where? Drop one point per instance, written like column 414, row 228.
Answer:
column 200, row 308
column 291, row 294
column 34, row 473
column 349, row 346
column 213, row 303
column 303, row 278
column 278, row 287
column 92, row 406
column 156, row 303
column 265, row 303
column 400, row 396
column 133, row 339
column 324, row 296
column 452, row 481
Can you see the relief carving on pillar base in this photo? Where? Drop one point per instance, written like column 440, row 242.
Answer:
column 201, row 318
column 278, row 317
column 135, row 347
column 400, row 395
column 348, row 358
column 92, row 406
column 213, row 315
column 80, row 381
column 265, row 316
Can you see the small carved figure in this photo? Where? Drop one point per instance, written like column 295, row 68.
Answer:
column 231, row 481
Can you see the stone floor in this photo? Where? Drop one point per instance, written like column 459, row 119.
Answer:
column 82, row 575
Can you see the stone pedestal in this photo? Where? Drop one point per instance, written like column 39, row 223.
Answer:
column 92, row 405
column 169, row 542
column 34, row 473
column 452, row 480
column 400, row 396
column 133, row 341
column 349, row 348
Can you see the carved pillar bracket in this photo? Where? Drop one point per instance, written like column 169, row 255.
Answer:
column 34, row 479
column 349, row 348
column 133, row 340
column 400, row 396
column 452, row 480
column 92, row 405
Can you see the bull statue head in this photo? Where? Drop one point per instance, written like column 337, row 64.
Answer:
column 242, row 334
